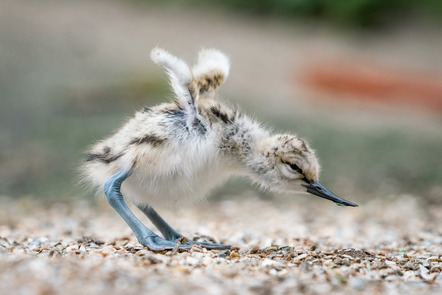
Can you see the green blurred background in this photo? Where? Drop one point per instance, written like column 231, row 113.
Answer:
column 72, row 71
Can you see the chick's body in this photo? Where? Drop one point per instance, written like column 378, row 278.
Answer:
column 176, row 152
column 172, row 163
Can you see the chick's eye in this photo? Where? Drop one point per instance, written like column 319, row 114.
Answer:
column 296, row 168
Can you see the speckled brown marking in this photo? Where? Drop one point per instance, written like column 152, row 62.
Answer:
column 205, row 112
column 210, row 81
column 151, row 139
column 177, row 104
column 216, row 111
column 304, row 144
column 105, row 157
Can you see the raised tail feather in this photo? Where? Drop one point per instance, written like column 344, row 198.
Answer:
column 180, row 77
column 210, row 71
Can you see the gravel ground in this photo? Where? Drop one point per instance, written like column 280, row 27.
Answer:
column 280, row 246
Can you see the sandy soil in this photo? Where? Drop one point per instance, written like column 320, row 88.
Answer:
column 280, row 246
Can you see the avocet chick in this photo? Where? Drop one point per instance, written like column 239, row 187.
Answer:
column 176, row 152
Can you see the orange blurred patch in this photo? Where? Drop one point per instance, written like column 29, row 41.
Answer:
column 357, row 81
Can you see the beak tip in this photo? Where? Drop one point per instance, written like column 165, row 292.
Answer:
column 352, row 205
column 317, row 189
column 347, row 204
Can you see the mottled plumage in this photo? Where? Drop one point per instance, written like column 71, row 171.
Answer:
column 176, row 152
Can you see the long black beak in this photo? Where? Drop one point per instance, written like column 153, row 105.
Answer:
column 319, row 190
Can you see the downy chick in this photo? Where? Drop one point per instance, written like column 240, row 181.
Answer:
column 176, row 152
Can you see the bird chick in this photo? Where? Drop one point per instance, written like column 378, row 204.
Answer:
column 176, row 152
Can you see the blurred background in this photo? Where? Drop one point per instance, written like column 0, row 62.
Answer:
column 362, row 80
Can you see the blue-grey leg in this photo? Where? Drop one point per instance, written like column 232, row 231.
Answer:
column 146, row 237
column 171, row 234
column 166, row 230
